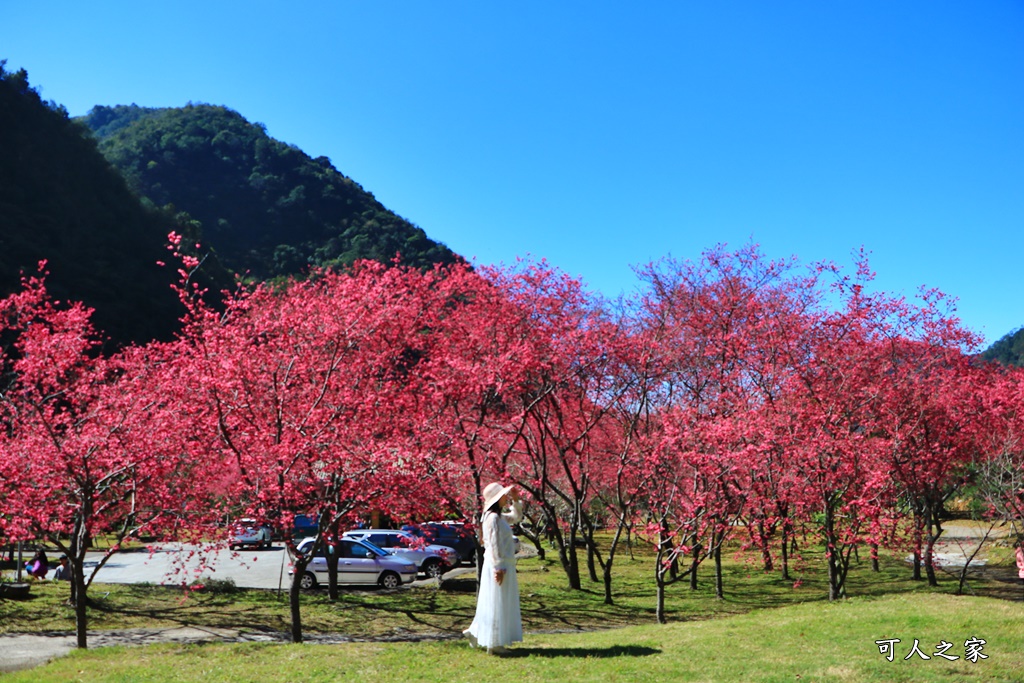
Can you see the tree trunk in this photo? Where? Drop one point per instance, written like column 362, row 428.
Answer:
column 331, row 554
column 785, row 555
column 719, row 592
column 78, row 592
column 570, row 559
column 294, row 591
column 766, row 555
column 659, row 578
column 918, row 546
column 81, row 605
column 607, row 572
column 929, row 566
column 693, row 566
column 835, row 587
column 934, row 532
column 591, row 564
column 607, row 568
column 573, row 569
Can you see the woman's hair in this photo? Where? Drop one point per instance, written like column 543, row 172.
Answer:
column 496, row 507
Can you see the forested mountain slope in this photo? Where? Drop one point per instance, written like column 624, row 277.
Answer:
column 1009, row 350
column 266, row 208
column 61, row 201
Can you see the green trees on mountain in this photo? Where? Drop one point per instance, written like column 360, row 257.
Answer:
column 61, row 201
column 1009, row 350
column 265, row 207
column 96, row 198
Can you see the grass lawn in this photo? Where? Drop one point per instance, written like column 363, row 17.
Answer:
column 811, row 641
column 765, row 629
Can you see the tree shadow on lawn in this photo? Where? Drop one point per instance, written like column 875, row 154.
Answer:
column 1001, row 583
column 439, row 614
column 209, row 611
column 583, row 652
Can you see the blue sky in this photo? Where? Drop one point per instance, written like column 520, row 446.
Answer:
column 602, row 135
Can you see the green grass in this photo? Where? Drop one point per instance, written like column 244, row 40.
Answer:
column 546, row 603
column 817, row 642
column 765, row 629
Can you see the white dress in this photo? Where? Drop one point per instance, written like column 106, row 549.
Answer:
column 498, row 621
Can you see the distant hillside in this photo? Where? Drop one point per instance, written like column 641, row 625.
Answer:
column 265, row 207
column 60, row 200
column 1009, row 350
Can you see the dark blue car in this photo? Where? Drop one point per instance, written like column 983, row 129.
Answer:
column 455, row 535
column 304, row 527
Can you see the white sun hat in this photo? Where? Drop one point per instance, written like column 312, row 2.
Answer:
column 493, row 493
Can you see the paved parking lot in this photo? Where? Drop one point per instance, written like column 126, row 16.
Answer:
column 173, row 564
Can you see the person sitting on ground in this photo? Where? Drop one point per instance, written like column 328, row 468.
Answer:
column 63, row 571
column 38, row 565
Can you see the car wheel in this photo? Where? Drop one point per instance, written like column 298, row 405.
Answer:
column 390, row 580
column 308, row 581
column 434, row 569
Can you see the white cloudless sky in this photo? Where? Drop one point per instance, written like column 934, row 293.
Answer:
column 603, row 135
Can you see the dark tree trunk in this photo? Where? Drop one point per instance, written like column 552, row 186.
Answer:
column 78, row 591
column 766, row 555
column 918, row 546
column 607, row 568
column 294, row 592
column 719, row 592
column 834, row 587
column 573, row 567
column 331, row 553
column 659, row 578
column 835, row 581
column 81, row 605
column 785, row 554
column 693, row 566
column 332, row 575
column 934, row 531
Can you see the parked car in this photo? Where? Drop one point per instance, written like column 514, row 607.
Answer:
column 359, row 562
column 457, row 535
column 248, row 532
column 431, row 559
column 304, row 526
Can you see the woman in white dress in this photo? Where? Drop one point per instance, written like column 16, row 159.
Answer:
column 498, row 621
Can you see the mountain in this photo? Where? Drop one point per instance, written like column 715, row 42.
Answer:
column 61, row 201
column 266, row 208
column 1009, row 350
column 96, row 197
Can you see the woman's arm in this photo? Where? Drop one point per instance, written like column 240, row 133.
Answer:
column 515, row 513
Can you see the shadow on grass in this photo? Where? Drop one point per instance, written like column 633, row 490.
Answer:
column 215, row 611
column 583, row 652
